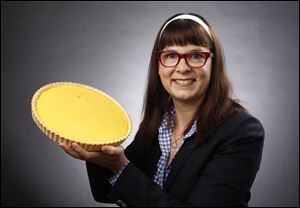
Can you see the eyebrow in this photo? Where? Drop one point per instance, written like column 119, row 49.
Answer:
column 197, row 50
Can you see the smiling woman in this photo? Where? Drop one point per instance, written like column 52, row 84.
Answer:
column 196, row 146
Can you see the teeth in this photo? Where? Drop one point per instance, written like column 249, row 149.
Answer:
column 183, row 81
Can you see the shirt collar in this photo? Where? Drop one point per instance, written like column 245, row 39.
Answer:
column 164, row 124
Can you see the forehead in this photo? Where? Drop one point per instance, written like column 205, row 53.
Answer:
column 186, row 48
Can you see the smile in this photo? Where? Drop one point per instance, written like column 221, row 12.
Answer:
column 184, row 82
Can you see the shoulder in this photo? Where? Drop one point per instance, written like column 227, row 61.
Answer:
column 242, row 120
column 241, row 125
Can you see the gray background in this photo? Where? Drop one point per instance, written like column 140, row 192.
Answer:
column 107, row 45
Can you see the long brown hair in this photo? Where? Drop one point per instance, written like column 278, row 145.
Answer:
column 217, row 104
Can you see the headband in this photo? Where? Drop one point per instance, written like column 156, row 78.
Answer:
column 190, row 17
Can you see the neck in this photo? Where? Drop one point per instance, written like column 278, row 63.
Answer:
column 184, row 114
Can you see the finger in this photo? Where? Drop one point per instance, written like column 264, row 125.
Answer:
column 69, row 151
column 83, row 154
column 95, row 157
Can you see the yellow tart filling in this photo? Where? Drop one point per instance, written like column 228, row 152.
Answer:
column 82, row 113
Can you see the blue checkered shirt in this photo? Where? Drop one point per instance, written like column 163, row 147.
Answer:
column 164, row 138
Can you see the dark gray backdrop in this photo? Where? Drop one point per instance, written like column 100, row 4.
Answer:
column 107, row 45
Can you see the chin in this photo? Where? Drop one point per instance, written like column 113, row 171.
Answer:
column 184, row 97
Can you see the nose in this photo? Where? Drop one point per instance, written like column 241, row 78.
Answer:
column 182, row 66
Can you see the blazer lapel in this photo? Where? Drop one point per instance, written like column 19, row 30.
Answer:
column 182, row 154
column 152, row 158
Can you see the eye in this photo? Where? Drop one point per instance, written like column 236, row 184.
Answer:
column 170, row 55
column 169, row 58
column 196, row 57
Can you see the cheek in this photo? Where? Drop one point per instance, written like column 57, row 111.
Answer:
column 206, row 73
column 164, row 74
column 204, row 79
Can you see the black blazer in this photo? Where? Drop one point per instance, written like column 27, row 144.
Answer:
column 219, row 173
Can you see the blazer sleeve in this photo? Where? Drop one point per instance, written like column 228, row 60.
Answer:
column 99, row 178
column 100, row 186
column 223, row 182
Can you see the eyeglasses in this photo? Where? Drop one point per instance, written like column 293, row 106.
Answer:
column 193, row 59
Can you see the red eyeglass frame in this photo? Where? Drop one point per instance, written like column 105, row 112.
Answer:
column 184, row 55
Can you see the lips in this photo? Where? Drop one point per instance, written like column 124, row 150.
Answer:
column 184, row 82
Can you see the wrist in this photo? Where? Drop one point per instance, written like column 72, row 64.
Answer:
column 120, row 167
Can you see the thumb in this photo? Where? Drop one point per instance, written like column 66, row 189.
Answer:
column 111, row 150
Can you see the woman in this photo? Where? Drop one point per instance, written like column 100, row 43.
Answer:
column 196, row 146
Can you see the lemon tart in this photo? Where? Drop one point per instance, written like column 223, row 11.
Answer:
column 72, row 112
